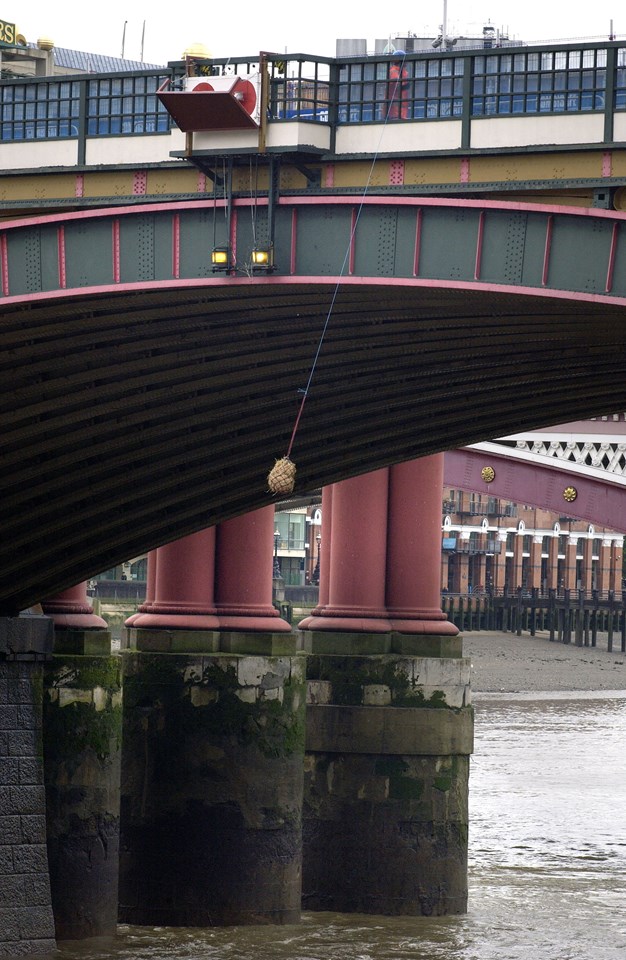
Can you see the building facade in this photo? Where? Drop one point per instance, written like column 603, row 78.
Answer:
column 491, row 545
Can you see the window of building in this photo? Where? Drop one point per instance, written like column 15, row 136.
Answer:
column 546, row 82
column 292, row 530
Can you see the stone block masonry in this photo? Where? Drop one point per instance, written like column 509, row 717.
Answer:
column 26, row 923
column 212, row 774
column 385, row 818
column 82, row 748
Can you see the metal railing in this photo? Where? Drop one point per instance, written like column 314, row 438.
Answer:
column 434, row 85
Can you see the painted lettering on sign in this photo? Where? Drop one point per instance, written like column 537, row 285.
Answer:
column 8, row 33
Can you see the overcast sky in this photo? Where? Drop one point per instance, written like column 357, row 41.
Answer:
column 248, row 27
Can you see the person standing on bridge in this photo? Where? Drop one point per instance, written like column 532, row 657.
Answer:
column 398, row 88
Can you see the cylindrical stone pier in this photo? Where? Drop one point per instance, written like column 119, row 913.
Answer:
column 413, row 583
column 180, row 615
column 389, row 721
column 243, row 583
column 77, row 629
column 324, row 551
column 151, row 565
column 356, row 549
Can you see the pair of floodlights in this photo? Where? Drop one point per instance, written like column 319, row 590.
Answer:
column 261, row 259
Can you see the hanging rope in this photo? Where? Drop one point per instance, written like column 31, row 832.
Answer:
column 282, row 477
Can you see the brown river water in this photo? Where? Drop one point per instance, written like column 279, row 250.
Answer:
column 547, row 870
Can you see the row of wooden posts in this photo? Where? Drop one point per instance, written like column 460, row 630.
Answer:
column 569, row 616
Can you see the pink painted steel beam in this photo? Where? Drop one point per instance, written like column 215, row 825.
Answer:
column 539, row 486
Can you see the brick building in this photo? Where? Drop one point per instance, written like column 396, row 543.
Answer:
column 491, row 544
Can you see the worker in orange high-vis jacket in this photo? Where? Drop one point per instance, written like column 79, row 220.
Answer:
column 398, row 88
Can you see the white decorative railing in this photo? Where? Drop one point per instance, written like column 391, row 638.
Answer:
column 610, row 457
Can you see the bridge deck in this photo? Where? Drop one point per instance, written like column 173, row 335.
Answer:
column 136, row 412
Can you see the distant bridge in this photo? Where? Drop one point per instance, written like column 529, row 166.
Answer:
column 586, row 458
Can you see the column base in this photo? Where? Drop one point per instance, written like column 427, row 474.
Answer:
column 386, row 783
column 433, row 627
column 82, row 755
column 430, row 622
column 71, row 615
column 160, row 639
column 346, row 624
column 82, row 641
column 266, row 643
column 212, row 827
column 347, row 643
column 246, row 624
column 174, row 620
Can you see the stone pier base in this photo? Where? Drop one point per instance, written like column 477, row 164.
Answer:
column 26, row 924
column 385, row 819
column 212, row 787
column 82, row 751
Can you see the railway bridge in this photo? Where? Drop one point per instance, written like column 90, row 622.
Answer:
column 203, row 269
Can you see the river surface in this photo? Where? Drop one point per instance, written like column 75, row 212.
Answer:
column 547, row 856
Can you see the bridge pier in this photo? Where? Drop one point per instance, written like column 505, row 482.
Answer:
column 82, row 713
column 26, row 920
column 389, row 721
column 214, row 701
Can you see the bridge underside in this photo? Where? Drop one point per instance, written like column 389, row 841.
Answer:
column 135, row 418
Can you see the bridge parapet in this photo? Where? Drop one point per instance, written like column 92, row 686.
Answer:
column 451, row 101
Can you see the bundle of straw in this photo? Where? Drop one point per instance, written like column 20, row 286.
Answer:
column 282, row 476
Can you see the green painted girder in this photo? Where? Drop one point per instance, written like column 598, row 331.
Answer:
column 145, row 398
column 579, row 251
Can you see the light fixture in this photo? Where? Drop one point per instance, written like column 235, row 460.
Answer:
column 263, row 259
column 220, row 258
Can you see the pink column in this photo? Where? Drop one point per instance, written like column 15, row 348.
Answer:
column 183, row 586
column 71, row 609
column 357, row 546
column 326, row 534
column 150, row 589
column 413, row 596
column 243, row 583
